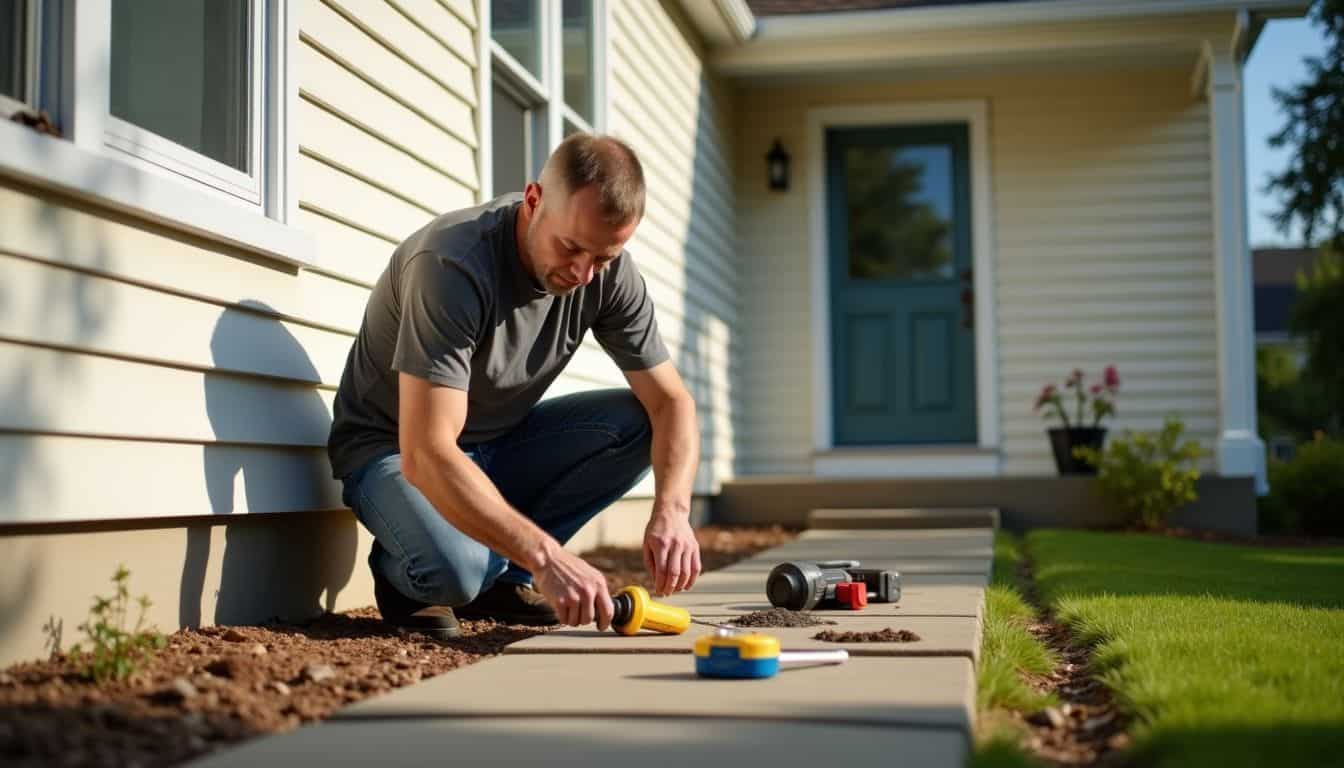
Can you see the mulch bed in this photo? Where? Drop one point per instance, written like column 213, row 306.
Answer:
column 213, row 687
column 886, row 635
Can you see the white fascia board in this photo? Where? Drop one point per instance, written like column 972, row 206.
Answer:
column 721, row 22
column 816, row 26
column 59, row 165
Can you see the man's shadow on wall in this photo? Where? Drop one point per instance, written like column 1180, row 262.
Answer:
column 290, row 564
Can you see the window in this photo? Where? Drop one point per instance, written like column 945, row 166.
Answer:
column 547, row 59
column 16, row 68
column 184, row 87
column 194, row 92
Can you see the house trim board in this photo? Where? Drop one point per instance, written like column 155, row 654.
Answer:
column 975, row 113
column 818, row 26
column 1240, row 451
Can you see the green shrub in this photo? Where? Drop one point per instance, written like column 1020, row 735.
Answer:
column 114, row 652
column 1146, row 475
column 1306, row 495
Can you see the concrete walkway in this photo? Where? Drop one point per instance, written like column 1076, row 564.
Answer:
column 579, row 696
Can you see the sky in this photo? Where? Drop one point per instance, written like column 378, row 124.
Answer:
column 1275, row 62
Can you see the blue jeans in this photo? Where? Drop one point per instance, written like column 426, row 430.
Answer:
column 567, row 461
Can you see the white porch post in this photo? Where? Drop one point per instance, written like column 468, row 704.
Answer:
column 1240, row 450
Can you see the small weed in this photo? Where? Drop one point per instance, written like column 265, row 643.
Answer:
column 114, row 652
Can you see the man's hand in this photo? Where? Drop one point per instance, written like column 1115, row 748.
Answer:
column 671, row 552
column 576, row 590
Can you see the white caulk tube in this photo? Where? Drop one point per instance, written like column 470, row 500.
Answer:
column 813, row 657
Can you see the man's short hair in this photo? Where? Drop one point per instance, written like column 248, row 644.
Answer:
column 584, row 159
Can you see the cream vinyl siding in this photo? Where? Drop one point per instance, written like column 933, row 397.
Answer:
column 1103, row 252
column 149, row 374
column 678, row 119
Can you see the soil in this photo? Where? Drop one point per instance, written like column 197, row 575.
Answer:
column 1087, row 728
column 778, row 617
column 213, row 687
column 887, row 635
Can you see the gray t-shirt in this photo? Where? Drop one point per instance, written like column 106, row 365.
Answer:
column 456, row 307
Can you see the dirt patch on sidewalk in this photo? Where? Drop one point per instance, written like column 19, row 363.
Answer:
column 887, row 635
column 213, row 687
column 778, row 617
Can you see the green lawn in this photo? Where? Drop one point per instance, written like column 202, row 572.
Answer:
column 1006, row 650
column 1226, row 655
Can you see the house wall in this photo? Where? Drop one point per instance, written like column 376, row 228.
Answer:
column 678, row 118
column 153, row 382
column 1103, row 245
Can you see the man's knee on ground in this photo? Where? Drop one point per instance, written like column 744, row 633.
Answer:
column 452, row 582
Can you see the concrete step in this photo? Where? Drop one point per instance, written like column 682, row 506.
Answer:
column 912, row 518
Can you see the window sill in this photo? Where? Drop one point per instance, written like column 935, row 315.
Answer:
column 59, row 165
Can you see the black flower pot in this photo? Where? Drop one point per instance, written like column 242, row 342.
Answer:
column 1063, row 441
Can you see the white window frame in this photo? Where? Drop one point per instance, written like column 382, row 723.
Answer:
column 545, row 93
column 111, row 163
column 145, row 146
column 10, row 105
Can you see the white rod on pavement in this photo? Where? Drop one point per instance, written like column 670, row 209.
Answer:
column 813, row 657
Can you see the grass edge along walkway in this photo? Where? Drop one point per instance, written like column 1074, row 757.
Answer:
column 1225, row 655
column 1007, row 651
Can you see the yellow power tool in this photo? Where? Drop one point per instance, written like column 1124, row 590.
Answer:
column 635, row 611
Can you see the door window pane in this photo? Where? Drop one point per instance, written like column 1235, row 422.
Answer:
column 578, row 53
column 511, row 148
column 180, row 68
column 13, row 43
column 516, row 25
column 900, row 212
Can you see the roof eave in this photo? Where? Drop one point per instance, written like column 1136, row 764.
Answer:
column 817, row 26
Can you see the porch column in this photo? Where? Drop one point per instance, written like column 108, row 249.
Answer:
column 1240, row 450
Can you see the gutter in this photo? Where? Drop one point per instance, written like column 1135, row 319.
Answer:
column 820, row 26
column 739, row 18
column 722, row 23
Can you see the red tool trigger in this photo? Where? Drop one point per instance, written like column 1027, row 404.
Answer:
column 853, row 595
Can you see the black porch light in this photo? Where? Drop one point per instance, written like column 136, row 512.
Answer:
column 777, row 164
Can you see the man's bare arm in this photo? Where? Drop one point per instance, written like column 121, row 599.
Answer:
column 430, row 420
column 671, row 551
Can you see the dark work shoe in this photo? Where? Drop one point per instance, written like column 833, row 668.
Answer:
column 407, row 615
column 511, row 604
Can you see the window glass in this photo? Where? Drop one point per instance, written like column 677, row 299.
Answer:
column 180, row 69
column 516, row 25
column 900, row 211
column 13, row 48
column 578, row 56
column 511, row 147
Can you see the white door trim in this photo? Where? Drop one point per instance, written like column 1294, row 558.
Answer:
column 976, row 114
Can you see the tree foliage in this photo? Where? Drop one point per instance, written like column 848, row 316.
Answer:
column 1311, row 188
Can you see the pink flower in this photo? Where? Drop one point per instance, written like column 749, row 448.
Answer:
column 1095, row 389
column 1048, row 393
column 1112, row 378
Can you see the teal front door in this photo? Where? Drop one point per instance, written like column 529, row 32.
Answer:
column 902, row 328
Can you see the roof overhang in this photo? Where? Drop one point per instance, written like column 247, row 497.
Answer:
column 996, row 33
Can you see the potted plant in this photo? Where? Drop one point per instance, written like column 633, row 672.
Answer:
column 1097, row 399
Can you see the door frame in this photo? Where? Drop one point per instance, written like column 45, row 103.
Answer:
column 975, row 114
